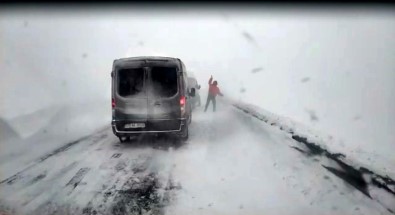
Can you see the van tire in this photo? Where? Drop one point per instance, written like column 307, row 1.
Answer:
column 122, row 140
column 190, row 119
column 184, row 134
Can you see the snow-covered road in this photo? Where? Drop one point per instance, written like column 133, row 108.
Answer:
column 232, row 164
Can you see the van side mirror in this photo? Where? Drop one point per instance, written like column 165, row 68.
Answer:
column 112, row 74
column 193, row 92
column 198, row 87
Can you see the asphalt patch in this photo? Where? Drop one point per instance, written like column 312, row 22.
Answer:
column 62, row 149
column 37, row 178
column 353, row 178
column 116, row 155
column 139, row 197
column 77, row 178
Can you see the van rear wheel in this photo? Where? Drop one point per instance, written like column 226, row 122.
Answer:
column 190, row 119
column 184, row 133
column 129, row 138
column 122, row 139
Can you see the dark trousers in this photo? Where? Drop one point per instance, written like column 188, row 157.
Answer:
column 209, row 99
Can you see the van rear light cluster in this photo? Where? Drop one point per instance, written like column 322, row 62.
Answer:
column 113, row 103
column 182, row 104
column 182, row 101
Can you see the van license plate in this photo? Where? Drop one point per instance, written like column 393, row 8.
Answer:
column 135, row 125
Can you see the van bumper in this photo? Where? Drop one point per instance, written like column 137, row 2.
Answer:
column 152, row 127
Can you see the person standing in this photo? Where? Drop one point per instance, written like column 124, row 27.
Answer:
column 213, row 91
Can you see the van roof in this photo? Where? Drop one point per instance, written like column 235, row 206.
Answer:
column 142, row 58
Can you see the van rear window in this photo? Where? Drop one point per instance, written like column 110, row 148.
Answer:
column 131, row 82
column 164, row 81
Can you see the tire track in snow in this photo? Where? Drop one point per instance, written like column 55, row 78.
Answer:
column 40, row 187
column 113, row 196
column 27, row 193
column 116, row 155
column 77, row 178
column 12, row 179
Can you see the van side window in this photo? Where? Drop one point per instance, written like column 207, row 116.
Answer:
column 130, row 82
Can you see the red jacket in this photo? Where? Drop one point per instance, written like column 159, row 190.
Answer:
column 213, row 90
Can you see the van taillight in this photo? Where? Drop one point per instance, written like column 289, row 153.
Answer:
column 182, row 101
column 113, row 103
column 182, row 105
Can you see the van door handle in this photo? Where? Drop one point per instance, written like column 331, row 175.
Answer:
column 157, row 103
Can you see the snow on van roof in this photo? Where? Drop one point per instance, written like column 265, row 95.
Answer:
column 145, row 58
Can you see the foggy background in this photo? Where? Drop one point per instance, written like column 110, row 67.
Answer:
column 331, row 70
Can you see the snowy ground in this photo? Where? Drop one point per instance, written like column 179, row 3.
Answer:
column 237, row 166
column 46, row 130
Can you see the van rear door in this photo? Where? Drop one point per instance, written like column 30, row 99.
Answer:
column 164, row 95
column 131, row 96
